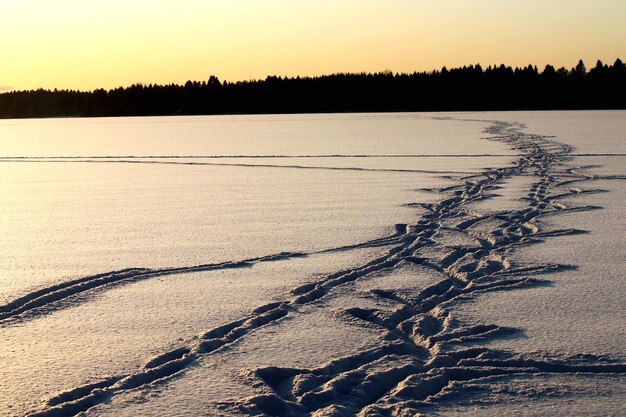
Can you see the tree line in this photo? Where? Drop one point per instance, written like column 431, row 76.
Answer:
column 466, row 88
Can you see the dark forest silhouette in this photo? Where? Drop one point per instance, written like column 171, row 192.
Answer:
column 467, row 88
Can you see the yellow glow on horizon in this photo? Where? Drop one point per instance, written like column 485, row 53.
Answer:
column 90, row 44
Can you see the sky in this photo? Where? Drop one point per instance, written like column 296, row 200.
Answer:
column 88, row 44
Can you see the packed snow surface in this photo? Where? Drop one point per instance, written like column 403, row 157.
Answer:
column 314, row 265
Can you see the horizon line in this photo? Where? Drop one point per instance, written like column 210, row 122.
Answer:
column 9, row 89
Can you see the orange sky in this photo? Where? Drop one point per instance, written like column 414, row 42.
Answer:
column 88, row 44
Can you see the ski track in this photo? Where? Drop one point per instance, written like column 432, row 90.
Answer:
column 240, row 165
column 25, row 158
column 425, row 355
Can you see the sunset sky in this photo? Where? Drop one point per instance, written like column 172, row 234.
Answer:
column 86, row 44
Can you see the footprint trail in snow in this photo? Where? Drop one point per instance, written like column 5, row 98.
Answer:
column 426, row 354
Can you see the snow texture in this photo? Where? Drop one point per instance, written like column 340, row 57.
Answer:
column 398, row 329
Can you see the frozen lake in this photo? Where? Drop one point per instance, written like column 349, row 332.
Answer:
column 322, row 265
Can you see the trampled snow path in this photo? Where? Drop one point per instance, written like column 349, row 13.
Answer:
column 424, row 357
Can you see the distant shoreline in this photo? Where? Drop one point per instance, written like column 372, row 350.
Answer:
column 312, row 113
column 470, row 88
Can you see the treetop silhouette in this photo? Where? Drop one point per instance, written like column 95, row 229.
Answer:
column 465, row 88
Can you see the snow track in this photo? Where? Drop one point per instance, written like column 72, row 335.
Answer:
column 426, row 352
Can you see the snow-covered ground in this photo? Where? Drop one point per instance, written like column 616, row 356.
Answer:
column 386, row 264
